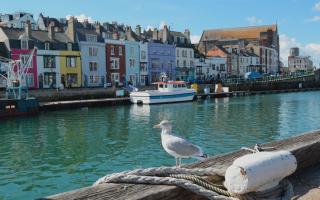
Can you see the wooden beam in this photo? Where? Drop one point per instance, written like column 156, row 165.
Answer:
column 305, row 147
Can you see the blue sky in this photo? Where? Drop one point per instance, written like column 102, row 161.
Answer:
column 298, row 20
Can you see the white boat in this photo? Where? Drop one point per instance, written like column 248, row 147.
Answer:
column 167, row 92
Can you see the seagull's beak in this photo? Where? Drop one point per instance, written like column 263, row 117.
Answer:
column 157, row 126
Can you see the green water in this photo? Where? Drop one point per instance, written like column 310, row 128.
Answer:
column 64, row 150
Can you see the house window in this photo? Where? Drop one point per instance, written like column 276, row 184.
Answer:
column 115, row 63
column 131, row 62
column 24, row 44
column 93, row 66
column 155, row 63
column 191, row 63
column 178, row 63
column 112, row 50
column 115, row 77
column 222, row 67
column 49, row 62
column 72, row 78
column 120, row 51
column 143, row 54
column 69, row 46
column 24, row 59
column 49, row 78
column 184, row 63
column 71, row 61
column 93, row 51
column 30, row 80
column 91, row 38
column 213, row 66
column 94, row 79
column 47, row 46
column 191, row 54
column 178, row 53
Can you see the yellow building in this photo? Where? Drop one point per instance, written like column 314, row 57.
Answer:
column 70, row 66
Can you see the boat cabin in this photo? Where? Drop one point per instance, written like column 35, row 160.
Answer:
column 171, row 86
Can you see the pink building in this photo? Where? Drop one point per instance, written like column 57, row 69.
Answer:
column 23, row 55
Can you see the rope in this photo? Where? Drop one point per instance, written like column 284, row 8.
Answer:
column 186, row 178
column 199, row 181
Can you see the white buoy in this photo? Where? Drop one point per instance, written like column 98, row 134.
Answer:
column 259, row 171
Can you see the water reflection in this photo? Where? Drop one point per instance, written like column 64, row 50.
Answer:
column 59, row 151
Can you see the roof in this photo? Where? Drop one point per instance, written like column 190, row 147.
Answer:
column 14, row 34
column 237, row 33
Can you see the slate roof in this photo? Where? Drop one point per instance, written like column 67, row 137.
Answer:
column 38, row 39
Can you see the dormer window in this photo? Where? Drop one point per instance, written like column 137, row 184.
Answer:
column 47, row 46
column 91, row 38
column 69, row 46
column 24, row 44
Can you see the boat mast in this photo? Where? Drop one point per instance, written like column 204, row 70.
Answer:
column 16, row 75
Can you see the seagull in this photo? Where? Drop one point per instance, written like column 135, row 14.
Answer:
column 176, row 146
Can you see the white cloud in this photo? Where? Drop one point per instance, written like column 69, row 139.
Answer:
column 195, row 39
column 317, row 6
column 310, row 49
column 314, row 19
column 81, row 18
column 254, row 20
column 162, row 24
column 148, row 27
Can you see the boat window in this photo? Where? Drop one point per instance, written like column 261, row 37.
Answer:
column 174, row 86
column 179, row 85
column 160, row 85
column 183, row 85
column 165, row 86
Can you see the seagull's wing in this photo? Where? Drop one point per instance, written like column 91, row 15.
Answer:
column 183, row 147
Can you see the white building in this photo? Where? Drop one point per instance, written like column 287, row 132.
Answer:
column 18, row 20
column 143, row 63
column 269, row 58
column 185, row 63
column 48, row 68
column 210, row 68
column 299, row 63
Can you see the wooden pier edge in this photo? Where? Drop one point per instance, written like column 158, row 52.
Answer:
column 305, row 147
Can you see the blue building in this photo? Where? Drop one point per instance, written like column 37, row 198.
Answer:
column 132, row 62
column 161, row 59
column 93, row 56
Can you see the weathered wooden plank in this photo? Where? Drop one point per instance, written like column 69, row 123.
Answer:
column 305, row 147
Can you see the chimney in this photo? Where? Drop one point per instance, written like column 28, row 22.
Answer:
column 128, row 33
column 187, row 34
column 98, row 28
column 165, row 34
column 71, row 30
column 155, row 34
column 28, row 29
column 138, row 30
column 51, row 31
column 115, row 36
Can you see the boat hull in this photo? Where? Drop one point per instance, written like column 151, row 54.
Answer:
column 161, row 97
column 18, row 107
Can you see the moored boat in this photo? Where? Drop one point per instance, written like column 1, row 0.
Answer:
column 167, row 92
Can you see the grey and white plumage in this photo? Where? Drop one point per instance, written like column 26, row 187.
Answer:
column 177, row 146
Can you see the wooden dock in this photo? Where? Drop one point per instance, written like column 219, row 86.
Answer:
column 306, row 149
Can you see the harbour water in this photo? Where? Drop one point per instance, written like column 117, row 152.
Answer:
column 64, row 150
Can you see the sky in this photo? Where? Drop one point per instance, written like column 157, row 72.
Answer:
column 298, row 20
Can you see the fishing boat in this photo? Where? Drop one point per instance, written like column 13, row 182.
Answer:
column 17, row 101
column 166, row 92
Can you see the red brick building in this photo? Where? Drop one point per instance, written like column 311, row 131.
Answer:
column 115, row 61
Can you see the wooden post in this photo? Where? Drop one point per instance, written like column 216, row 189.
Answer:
column 305, row 147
